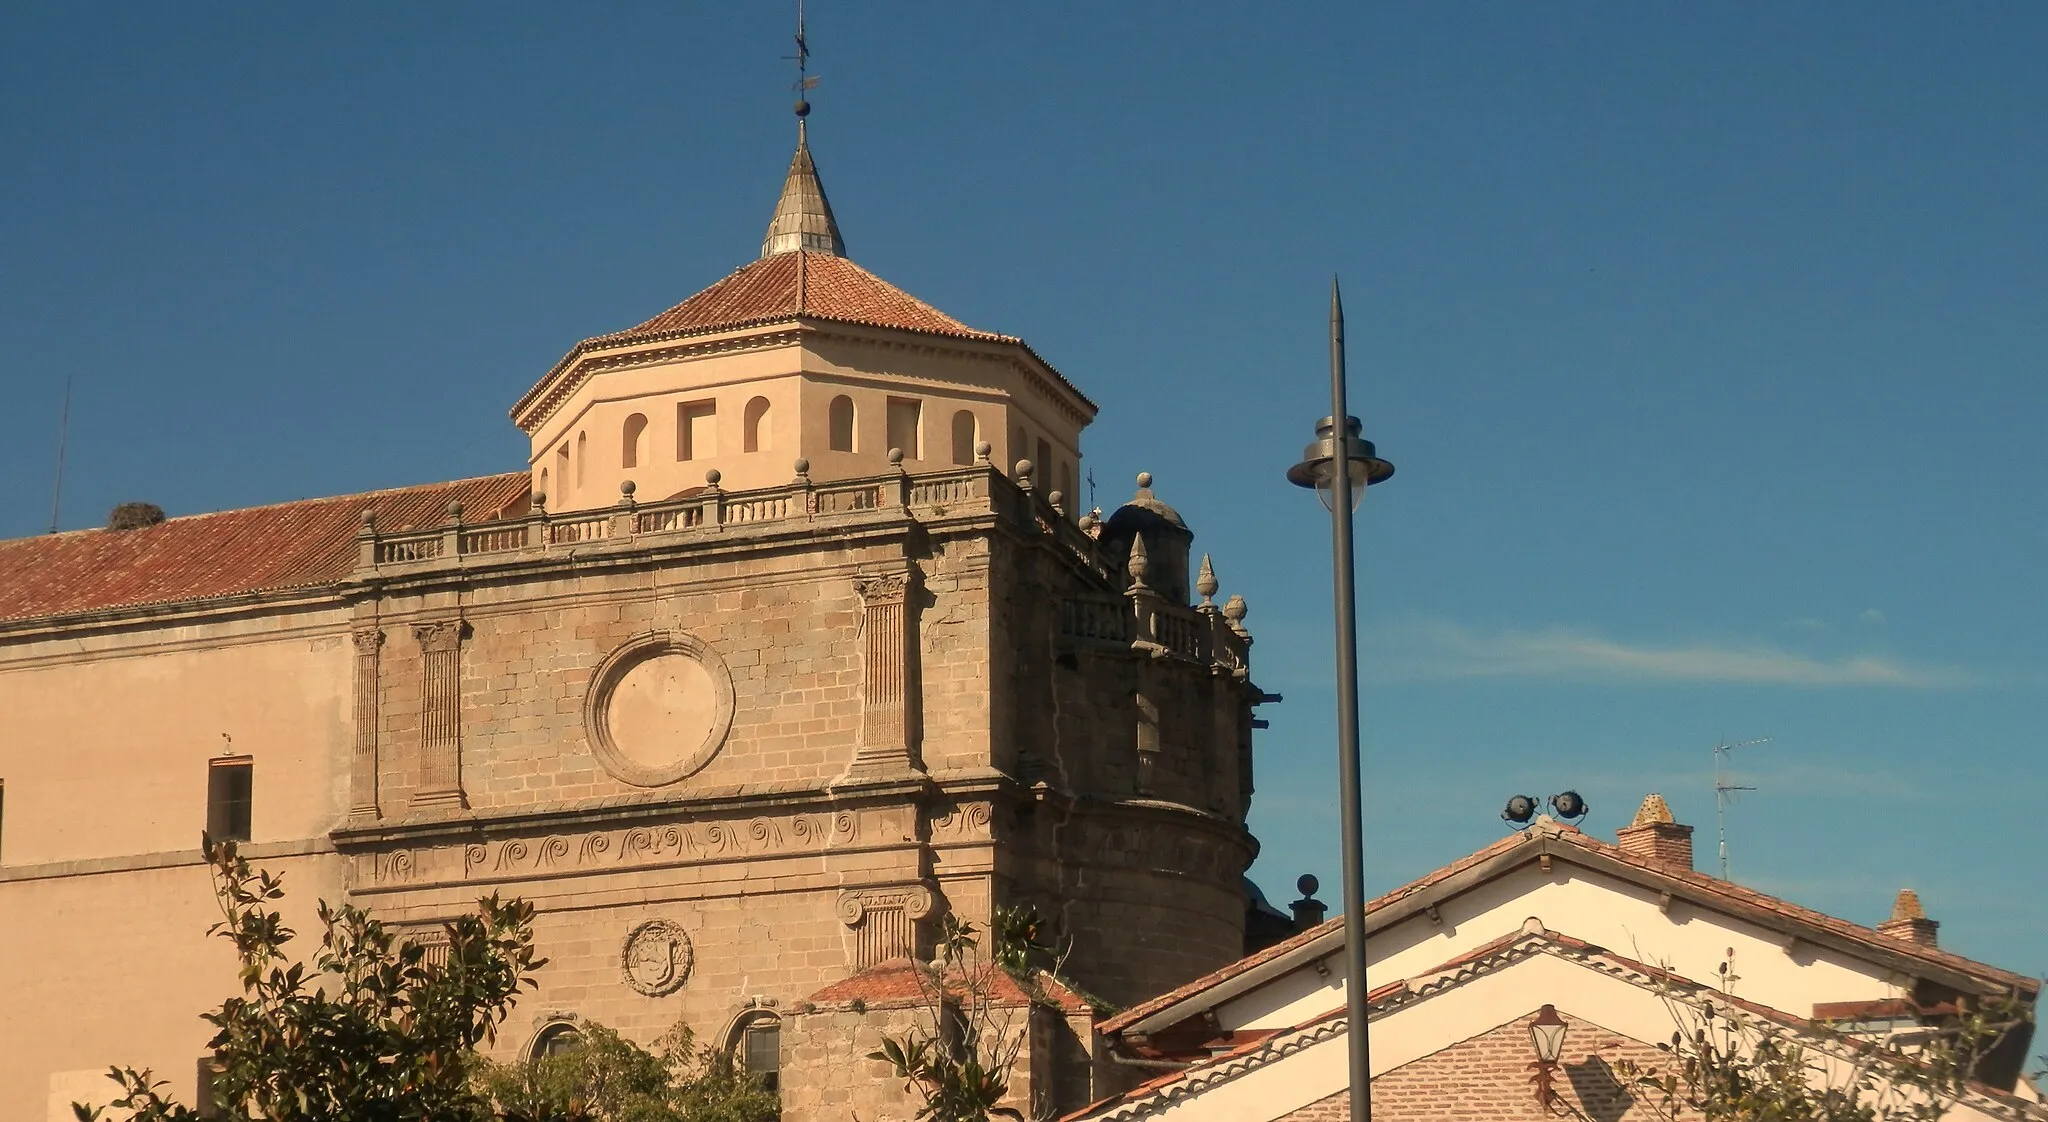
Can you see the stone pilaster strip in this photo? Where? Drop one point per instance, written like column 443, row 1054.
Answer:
column 440, row 780
column 885, row 673
column 363, row 768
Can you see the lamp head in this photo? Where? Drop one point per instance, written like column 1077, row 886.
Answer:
column 1520, row 810
column 1546, row 1034
column 1317, row 468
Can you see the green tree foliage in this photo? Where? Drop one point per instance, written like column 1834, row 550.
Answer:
column 1728, row 1065
column 960, row 1059
column 607, row 1078
column 372, row 1033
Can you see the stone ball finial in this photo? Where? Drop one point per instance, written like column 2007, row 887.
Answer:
column 1308, row 884
column 983, row 450
column 802, row 109
column 540, row 500
column 712, row 477
column 1234, row 609
column 1205, row 582
column 1654, row 812
column 454, row 510
column 896, row 456
column 803, row 467
column 1024, row 469
column 369, row 519
column 1058, row 500
column 1144, row 481
column 627, row 487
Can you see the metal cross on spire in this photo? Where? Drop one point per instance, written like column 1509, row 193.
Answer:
column 802, row 58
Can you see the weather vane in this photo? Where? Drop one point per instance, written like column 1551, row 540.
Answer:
column 802, row 58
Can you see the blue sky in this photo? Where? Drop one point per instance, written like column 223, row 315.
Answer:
column 1708, row 341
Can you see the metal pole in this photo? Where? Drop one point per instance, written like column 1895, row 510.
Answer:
column 1347, row 721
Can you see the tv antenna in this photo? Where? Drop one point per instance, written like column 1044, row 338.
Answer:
column 63, row 429
column 1725, row 788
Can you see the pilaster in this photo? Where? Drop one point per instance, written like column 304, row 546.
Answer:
column 440, row 783
column 363, row 767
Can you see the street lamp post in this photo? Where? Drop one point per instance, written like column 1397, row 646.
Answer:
column 1341, row 465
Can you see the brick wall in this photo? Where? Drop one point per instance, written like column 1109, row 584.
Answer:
column 1486, row 1079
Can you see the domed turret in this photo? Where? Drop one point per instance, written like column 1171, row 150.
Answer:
column 1167, row 540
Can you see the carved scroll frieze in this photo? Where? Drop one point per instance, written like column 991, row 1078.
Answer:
column 885, row 674
column 962, row 822
column 675, row 844
column 440, row 779
column 884, row 921
column 363, row 767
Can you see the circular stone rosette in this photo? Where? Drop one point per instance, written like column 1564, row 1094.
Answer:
column 656, row 958
column 658, row 708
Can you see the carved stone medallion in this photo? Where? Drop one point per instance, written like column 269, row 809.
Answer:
column 658, row 708
column 656, row 958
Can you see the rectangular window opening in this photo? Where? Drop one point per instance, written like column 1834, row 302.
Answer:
column 764, row 1054
column 696, row 430
column 228, row 791
column 904, row 415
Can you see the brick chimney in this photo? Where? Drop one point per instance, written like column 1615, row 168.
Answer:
column 1909, row 920
column 1655, row 838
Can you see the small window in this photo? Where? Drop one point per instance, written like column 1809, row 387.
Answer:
column 582, row 461
column 543, row 488
column 841, row 423
column 756, row 438
column 562, row 465
column 1041, row 468
column 903, row 425
column 758, row 1044
column 630, row 438
column 963, row 437
column 1021, row 449
column 1067, row 484
column 696, row 430
column 556, row 1039
column 228, row 800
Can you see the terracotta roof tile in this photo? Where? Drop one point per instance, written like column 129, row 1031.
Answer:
column 294, row 545
column 800, row 283
column 1700, row 882
column 899, row 981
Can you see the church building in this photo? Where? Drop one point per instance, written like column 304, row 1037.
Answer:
column 787, row 641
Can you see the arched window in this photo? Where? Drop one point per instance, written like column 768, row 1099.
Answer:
column 556, row 1039
column 963, row 437
column 1041, row 475
column 1067, row 485
column 562, row 466
column 1021, row 450
column 756, row 1042
column 840, row 421
column 630, row 438
column 582, row 459
column 756, row 417
column 543, row 488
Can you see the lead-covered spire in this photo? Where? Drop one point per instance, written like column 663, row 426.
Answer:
column 803, row 216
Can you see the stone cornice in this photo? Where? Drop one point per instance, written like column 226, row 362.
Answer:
column 167, row 859
column 587, row 360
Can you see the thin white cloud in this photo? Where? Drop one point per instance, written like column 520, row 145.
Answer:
column 1447, row 650
column 1871, row 615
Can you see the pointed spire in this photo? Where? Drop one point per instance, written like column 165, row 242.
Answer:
column 803, row 216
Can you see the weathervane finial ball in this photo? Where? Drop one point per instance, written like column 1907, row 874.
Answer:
column 803, row 108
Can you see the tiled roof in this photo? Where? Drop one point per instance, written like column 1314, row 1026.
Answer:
column 294, row 545
column 1710, row 887
column 899, row 981
column 1476, row 963
column 799, row 283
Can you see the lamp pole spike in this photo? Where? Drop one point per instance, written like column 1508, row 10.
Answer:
column 63, row 432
